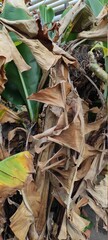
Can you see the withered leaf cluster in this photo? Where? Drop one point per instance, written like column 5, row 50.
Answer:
column 69, row 150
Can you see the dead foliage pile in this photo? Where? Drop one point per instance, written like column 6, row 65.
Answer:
column 67, row 145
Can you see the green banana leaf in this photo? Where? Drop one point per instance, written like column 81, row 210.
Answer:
column 11, row 93
column 46, row 13
column 14, row 13
column 95, row 5
column 21, row 85
column 104, row 1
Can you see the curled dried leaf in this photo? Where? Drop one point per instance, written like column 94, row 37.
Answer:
column 7, row 115
column 10, row 52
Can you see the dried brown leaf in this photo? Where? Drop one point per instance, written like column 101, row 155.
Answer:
column 82, row 202
column 84, row 168
column 32, row 196
column 99, row 192
column 39, row 149
column 89, row 151
column 99, row 211
column 29, row 210
column 13, row 132
column 71, row 137
column 43, row 56
column 42, row 179
column 74, row 233
column 7, row 115
column 63, row 230
column 56, row 110
column 65, row 177
column 59, row 72
column 66, row 57
column 44, row 191
column 94, row 126
column 28, row 27
column 54, row 159
column 79, row 15
column 10, row 52
column 53, row 165
column 56, row 130
column 3, row 153
column 21, row 221
column 51, row 95
column 59, row 193
column 79, row 222
column 100, row 30
column 45, row 134
column 43, row 35
column 96, row 167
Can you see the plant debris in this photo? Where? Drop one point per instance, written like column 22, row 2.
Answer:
column 53, row 146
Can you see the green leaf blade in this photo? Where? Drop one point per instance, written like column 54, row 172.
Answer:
column 25, row 84
column 14, row 13
column 46, row 13
column 96, row 6
column 21, row 85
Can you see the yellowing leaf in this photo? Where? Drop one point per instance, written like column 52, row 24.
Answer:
column 105, row 50
column 7, row 115
column 100, row 45
column 14, row 173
